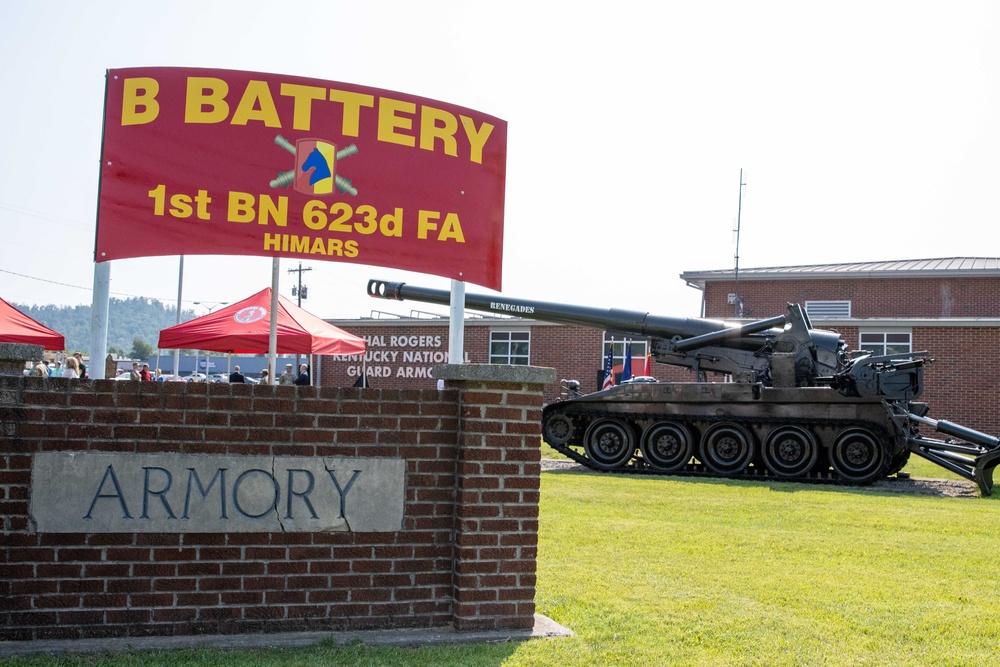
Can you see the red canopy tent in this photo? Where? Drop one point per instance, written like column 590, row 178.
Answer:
column 245, row 327
column 16, row 327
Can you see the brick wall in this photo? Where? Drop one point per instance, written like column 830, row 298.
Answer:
column 963, row 382
column 870, row 297
column 465, row 556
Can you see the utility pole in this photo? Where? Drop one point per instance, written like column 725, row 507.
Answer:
column 738, row 302
column 298, row 292
column 300, row 295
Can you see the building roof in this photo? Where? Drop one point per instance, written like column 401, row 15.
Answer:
column 977, row 267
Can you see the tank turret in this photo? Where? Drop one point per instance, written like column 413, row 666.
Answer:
column 799, row 405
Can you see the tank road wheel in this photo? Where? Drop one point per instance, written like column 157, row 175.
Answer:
column 609, row 443
column 859, row 457
column 790, row 452
column 726, row 448
column 558, row 429
column 666, row 447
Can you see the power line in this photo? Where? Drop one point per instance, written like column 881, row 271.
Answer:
column 68, row 222
column 91, row 289
column 45, row 280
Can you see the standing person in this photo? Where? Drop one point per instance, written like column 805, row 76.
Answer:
column 236, row 376
column 82, row 370
column 72, row 369
column 264, row 377
column 57, row 371
column 303, row 379
column 144, row 374
column 135, row 374
column 288, row 377
column 39, row 371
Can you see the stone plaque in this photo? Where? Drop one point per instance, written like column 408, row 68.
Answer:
column 92, row 492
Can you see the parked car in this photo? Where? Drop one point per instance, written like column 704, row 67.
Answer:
column 172, row 378
column 220, row 377
column 197, row 377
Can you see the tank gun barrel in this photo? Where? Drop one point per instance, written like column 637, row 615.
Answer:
column 702, row 345
column 724, row 335
column 631, row 322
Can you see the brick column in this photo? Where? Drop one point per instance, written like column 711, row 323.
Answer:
column 496, row 509
column 13, row 356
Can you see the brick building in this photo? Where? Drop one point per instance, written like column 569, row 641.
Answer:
column 950, row 307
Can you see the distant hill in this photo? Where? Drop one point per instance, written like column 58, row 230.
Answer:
column 127, row 319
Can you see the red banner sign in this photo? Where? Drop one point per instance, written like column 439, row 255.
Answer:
column 223, row 162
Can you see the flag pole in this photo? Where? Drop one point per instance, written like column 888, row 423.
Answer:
column 272, row 343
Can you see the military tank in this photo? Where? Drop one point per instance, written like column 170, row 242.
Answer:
column 791, row 402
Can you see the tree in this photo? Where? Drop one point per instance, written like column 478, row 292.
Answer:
column 127, row 319
column 140, row 349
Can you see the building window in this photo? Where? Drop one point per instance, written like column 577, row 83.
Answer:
column 510, row 347
column 827, row 310
column 618, row 354
column 886, row 342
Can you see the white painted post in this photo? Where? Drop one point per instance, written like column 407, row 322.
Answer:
column 99, row 320
column 456, row 323
column 272, row 343
column 180, row 291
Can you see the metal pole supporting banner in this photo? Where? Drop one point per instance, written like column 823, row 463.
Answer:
column 180, row 291
column 102, row 281
column 272, row 343
column 99, row 320
column 456, row 323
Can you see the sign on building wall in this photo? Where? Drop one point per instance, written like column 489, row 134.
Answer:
column 224, row 162
column 396, row 355
column 93, row 492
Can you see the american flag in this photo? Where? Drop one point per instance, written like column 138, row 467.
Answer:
column 609, row 373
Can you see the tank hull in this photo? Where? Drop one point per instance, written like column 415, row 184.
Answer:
column 729, row 430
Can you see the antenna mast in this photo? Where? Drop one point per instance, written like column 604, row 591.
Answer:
column 738, row 302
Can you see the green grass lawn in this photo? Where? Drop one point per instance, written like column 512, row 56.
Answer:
column 691, row 571
column 549, row 453
column 701, row 572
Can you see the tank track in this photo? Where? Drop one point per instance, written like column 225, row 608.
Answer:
column 636, row 465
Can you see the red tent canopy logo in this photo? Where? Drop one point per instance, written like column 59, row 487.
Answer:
column 250, row 314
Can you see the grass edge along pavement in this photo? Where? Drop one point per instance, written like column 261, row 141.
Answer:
column 693, row 571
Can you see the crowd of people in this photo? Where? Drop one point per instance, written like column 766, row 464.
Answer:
column 74, row 367
column 287, row 378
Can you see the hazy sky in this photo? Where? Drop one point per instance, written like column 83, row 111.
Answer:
column 867, row 131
